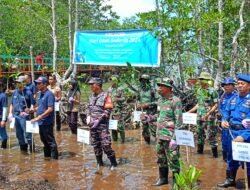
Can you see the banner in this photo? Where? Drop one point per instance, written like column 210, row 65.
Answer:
column 137, row 47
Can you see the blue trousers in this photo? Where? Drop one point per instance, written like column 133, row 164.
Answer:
column 233, row 164
column 224, row 139
column 20, row 124
column 3, row 133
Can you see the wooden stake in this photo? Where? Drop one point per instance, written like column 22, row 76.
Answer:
column 245, row 173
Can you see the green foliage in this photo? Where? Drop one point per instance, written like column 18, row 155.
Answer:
column 187, row 178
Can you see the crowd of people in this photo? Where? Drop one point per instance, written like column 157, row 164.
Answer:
column 228, row 112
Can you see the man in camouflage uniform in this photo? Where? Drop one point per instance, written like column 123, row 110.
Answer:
column 169, row 119
column 98, row 113
column 147, row 104
column 118, row 100
column 207, row 103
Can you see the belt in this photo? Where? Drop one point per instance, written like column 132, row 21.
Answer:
column 237, row 127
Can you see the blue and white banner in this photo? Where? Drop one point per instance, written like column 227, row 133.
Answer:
column 137, row 47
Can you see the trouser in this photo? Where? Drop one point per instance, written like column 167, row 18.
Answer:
column 167, row 156
column 212, row 132
column 233, row 164
column 120, row 130
column 3, row 133
column 20, row 124
column 224, row 139
column 101, row 140
column 58, row 121
column 49, row 142
column 72, row 121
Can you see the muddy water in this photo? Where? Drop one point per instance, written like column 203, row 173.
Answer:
column 76, row 167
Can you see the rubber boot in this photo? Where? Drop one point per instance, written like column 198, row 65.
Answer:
column 114, row 135
column 224, row 156
column 163, row 174
column 147, row 140
column 215, row 152
column 47, row 153
column 32, row 149
column 200, row 148
column 122, row 135
column 24, row 148
column 230, row 179
column 113, row 162
column 99, row 161
column 54, row 153
column 4, row 144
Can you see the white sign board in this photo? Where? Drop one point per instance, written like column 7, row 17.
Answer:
column 113, row 124
column 57, row 106
column 189, row 118
column 32, row 127
column 241, row 151
column 83, row 136
column 12, row 123
column 137, row 115
column 184, row 137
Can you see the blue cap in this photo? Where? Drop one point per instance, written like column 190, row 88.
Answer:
column 244, row 77
column 227, row 80
column 41, row 79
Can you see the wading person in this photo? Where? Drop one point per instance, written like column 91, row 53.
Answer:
column 3, row 115
column 74, row 96
column 118, row 100
column 207, row 103
column 236, row 118
column 30, row 85
column 56, row 90
column 21, row 106
column 45, row 118
column 228, row 86
column 169, row 119
column 147, row 104
column 98, row 112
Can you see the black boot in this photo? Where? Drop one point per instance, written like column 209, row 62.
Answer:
column 32, row 149
column 215, row 152
column 4, row 144
column 24, row 148
column 114, row 135
column 113, row 162
column 122, row 135
column 163, row 174
column 200, row 148
column 230, row 180
column 147, row 140
column 99, row 160
column 224, row 155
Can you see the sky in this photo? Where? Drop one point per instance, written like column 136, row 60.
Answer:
column 128, row 8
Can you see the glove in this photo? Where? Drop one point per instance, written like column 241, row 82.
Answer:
column 10, row 117
column 23, row 114
column 71, row 99
column 94, row 124
column 173, row 144
column 246, row 123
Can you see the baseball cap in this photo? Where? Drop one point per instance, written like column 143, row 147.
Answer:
column 41, row 79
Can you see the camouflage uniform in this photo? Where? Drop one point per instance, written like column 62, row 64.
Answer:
column 147, row 97
column 169, row 119
column 99, row 116
column 118, row 99
column 207, row 98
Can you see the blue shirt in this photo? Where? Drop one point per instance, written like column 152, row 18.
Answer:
column 31, row 87
column 224, row 99
column 3, row 102
column 21, row 100
column 45, row 100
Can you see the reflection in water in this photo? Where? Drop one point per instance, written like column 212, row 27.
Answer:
column 76, row 167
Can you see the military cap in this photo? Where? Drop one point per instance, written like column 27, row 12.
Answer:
column 205, row 75
column 227, row 80
column 95, row 80
column 145, row 76
column 244, row 77
column 166, row 82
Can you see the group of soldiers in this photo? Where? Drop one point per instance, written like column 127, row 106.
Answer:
column 161, row 114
